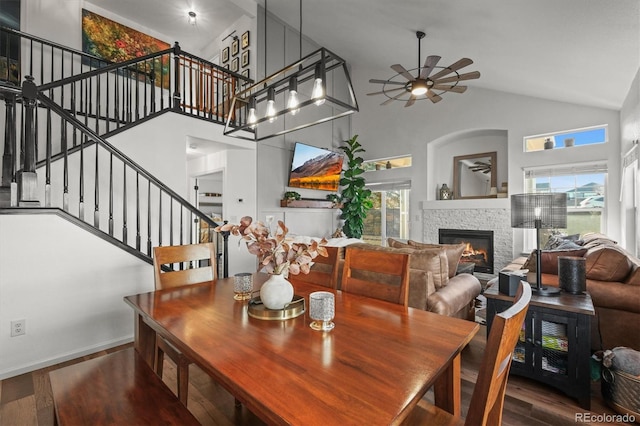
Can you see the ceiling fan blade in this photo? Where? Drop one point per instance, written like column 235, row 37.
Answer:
column 468, row 76
column 385, row 91
column 433, row 97
column 388, row 101
column 373, row 80
column 429, row 64
column 401, row 70
column 446, row 88
column 453, row 67
column 411, row 101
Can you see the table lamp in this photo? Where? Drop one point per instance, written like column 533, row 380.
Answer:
column 539, row 211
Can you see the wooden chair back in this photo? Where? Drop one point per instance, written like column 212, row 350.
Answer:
column 487, row 399
column 377, row 274
column 189, row 264
column 325, row 274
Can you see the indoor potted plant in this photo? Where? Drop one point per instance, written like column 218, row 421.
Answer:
column 356, row 199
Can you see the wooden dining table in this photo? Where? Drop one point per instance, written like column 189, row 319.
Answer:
column 372, row 368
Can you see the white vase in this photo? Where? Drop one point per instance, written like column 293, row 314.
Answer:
column 276, row 292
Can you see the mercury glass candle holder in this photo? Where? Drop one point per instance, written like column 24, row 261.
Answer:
column 242, row 286
column 322, row 310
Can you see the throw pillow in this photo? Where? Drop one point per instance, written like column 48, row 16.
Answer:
column 432, row 260
column 391, row 242
column 453, row 252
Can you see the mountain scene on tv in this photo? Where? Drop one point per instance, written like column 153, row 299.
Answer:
column 321, row 172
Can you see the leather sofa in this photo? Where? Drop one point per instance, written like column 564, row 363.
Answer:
column 433, row 285
column 613, row 281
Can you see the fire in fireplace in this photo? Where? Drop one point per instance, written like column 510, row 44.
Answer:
column 479, row 249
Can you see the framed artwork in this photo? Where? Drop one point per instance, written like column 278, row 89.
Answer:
column 115, row 42
column 225, row 55
column 245, row 73
column 235, row 47
column 245, row 39
column 245, row 58
column 234, row 64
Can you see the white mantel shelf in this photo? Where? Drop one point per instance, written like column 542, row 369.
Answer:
column 473, row 203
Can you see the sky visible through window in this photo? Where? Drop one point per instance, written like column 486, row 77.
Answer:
column 583, row 137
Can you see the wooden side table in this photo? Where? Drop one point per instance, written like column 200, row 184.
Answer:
column 555, row 341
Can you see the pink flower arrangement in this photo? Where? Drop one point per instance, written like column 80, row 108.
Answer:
column 275, row 254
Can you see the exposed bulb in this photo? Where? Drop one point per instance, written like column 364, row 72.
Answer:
column 271, row 105
column 252, row 118
column 318, row 91
column 537, row 211
column 271, row 111
column 292, row 103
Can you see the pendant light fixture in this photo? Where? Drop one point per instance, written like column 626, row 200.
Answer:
column 299, row 92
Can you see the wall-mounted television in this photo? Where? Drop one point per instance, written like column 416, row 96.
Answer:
column 315, row 168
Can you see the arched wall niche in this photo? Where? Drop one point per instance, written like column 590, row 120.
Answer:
column 440, row 153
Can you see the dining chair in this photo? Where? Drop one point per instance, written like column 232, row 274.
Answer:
column 487, row 400
column 377, row 274
column 176, row 266
column 324, row 272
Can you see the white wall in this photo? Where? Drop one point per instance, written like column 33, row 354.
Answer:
column 395, row 130
column 68, row 285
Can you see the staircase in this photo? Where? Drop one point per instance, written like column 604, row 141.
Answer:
column 57, row 121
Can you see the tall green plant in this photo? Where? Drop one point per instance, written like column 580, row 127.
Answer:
column 356, row 199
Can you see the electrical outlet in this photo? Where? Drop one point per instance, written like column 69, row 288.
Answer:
column 18, row 327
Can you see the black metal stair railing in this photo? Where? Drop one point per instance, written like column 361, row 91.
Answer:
column 110, row 97
column 102, row 186
column 46, row 61
column 56, row 155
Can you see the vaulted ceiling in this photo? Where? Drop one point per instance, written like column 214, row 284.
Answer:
column 580, row 51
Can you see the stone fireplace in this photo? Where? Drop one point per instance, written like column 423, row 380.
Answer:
column 473, row 214
column 478, row 250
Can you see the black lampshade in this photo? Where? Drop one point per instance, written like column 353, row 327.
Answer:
column 553, row 210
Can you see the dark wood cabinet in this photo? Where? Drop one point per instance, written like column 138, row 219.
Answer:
column 555, row 341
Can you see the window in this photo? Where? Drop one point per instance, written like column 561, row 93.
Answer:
column 387, row 163
column 389, row 216
column 585, row 186
column 570, row 138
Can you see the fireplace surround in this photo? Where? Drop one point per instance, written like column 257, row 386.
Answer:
column 479, row 249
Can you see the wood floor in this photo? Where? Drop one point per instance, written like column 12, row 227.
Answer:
column 26, row 399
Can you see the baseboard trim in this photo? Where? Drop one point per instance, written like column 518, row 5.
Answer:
column 65, row 357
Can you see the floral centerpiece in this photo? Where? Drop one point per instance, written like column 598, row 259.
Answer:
column 275, row 254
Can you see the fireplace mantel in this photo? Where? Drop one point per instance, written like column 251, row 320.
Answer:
column 474, row 203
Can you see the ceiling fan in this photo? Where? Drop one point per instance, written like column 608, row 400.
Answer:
column 424, row 85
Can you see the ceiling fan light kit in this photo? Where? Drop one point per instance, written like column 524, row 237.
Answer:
column 424, row 85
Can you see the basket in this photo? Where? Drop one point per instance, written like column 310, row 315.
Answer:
column 621, row 391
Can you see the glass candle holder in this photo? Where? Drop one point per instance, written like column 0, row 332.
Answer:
column 322, row 310
column 242, row 286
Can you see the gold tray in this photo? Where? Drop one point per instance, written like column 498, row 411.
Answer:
column 256, row 309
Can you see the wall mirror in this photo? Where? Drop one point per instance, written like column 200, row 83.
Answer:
column 474, row 175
